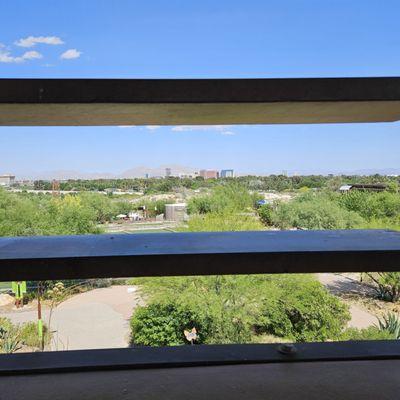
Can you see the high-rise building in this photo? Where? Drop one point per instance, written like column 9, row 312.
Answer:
column 209, row 174
column 227, row 173
column 168, row 172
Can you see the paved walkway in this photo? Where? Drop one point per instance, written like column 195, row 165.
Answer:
column 95, row 319
column 340, row 285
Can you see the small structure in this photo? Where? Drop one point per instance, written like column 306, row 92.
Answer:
column 344, row 188
column 376, row 187
column 7, row 180
column 175, row 212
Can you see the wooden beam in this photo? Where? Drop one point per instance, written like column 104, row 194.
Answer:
column 193, row 356
column 173, row 254
column 70, row 102
column 344, row 380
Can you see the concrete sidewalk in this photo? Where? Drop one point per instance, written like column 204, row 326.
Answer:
column 92, row 320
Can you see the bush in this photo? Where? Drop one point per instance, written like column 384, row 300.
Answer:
column 265, row 214
column 223, row 222
column 372, row 205
column 370, row 333
column 234, row 309
column 302, row 310
column 312, row 211
column 162, row 324
column 229, row 198
column 29, row 334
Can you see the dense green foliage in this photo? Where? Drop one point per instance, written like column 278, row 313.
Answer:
column 381, row 205
column 227, row 208
column 232, row 197
column 25, row 214
column 235, row 309
column 262, row 183
column 43, row 215
column 314, row 211
column 301, row 310
column 163, row 324
column 265, row 213
column 223, row 222
column 370, row 333
column 330, row 210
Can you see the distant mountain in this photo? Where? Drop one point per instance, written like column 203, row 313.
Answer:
column 136, row 172
column 373, row 171
column 141, row 171
column 71, row 174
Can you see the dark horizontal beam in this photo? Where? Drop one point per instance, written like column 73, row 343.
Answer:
column 197, row 101
column 193, row 356
column 205, row 253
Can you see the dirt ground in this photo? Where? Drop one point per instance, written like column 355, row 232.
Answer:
column 365, row 308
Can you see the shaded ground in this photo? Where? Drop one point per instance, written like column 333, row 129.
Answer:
column 96, row 319
column 347, row 286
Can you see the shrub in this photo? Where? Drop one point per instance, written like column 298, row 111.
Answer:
column 234, row 309
column 232, row 197
column 372, row 205
column 162, row 324
column 265, row 214
column 312, row 211
column 370, row 333
column 223, row 222
column 302, row 310
column 29, row 334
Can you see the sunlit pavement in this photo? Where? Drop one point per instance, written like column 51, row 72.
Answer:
column 96, row 319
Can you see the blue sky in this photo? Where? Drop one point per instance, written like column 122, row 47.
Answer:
column 204, row 39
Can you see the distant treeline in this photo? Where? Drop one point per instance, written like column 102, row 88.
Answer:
column 164, row 185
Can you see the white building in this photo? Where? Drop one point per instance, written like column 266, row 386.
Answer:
column 7, row 180
column 175, row 212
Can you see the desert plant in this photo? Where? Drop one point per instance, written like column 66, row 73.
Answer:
column 390, row 323
column 10, row 341
column 386, row 284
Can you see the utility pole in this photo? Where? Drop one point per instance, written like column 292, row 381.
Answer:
column 40, row 322
column 55, row 188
